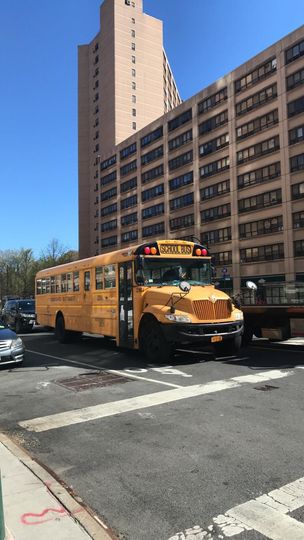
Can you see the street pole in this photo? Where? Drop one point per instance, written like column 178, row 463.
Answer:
column 2, row 526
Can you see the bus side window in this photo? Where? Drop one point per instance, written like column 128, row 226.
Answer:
column 38, row 286
column 69, row 282
column 75, row 281
column 87, row 281
column 52, row 284
column 99, row 277
column 110, row 276
column 57, row 284
column 63, row 283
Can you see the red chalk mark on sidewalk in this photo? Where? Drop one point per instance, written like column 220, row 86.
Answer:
column 27, row 518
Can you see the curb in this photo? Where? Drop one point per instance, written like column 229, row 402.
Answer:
column 91, row 523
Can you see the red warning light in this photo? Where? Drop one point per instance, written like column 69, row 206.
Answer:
column 147, row 251
column 204, row 252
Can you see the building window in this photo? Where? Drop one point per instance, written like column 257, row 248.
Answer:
column 128, row 151
column 133, row 46
column 295, row 79
column 108, row 210
column 128, row 202
column 128, row 185
column 180, row 120
column 151, row 137
column 133, row 60
column 153, row 230
column 129, row 219
column 222, row 258
column 107, row 242
column 215, row 190
column 96, row 59
column 151, row 193
column 181, row 202
column 108, row 178
column 217, row 212
column 133, row 125
column 214, row 145
column 216, row 236
column 297, row 191
column 153, row 211
column 264, row 200
column 258, row 74
column 133, row 33
column 296, row 135
column 215, row 167
column 133, row 20
column 133, row 99
column 182, row 139
column 261, row 227
column 258, row 150
column 109, row 194
column 181, row 222
column 299, row 248
column 258, row 176
column 262, row 253
column 108, row 162
column 213, row 123
column 150, row 175
column 212, row 101
column 133, row 112
column 129, row 167
column 294, row 52
column 295, row 107
column 256, row 100
column 152, row 155
column 298, row 219
column 133, row 73
column 181, row 160
column 297, row 163
column 133, row 85
column 129, row 236
column 258, row 124
column 109, row 225
column 181, row 181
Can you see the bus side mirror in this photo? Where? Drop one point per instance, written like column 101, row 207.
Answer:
column 251, row 285
column 185, row 286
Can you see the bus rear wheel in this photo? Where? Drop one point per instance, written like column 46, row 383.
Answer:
column 153, row 342
column 60, row 332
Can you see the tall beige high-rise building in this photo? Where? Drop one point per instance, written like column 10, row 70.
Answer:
column 124, row 83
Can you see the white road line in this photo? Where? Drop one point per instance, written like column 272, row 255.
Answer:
column 141, row 402
column 92, row 366
column 266, row 514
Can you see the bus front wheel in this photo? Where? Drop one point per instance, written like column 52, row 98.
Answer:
column 153, row 343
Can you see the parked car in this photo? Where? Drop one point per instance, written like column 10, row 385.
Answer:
column 19, row 314
column 11, row 347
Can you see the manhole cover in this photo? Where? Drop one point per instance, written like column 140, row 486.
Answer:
column 91, row 380
column 266, row 387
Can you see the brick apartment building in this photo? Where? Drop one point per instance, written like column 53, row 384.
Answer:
column 225, row 166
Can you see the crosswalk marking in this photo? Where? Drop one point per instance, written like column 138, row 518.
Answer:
column 103, row 410
column 267, row 514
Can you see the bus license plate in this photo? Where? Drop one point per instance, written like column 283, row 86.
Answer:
column 214, row 339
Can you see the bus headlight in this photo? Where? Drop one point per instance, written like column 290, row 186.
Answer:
column 238, row 316
column 178, row 318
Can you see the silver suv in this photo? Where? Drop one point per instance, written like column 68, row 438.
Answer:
column 11, row 347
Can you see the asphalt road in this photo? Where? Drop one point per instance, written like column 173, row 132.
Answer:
column 160, row 452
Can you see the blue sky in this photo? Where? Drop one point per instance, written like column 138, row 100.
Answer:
column 38, row 95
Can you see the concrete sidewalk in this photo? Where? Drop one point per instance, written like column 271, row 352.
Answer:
column 37, row 506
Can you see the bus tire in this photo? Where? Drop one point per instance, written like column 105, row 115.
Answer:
column 153, row 343
column 60, row 332
column 228, row 348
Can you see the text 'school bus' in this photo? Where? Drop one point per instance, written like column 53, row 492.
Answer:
column 152, row 297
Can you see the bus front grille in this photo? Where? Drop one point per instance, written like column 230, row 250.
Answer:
column 207, row 310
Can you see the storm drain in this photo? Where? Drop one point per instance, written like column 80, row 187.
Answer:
column 266, row 387
column 88, row 381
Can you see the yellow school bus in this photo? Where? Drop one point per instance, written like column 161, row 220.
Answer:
column 153, row 297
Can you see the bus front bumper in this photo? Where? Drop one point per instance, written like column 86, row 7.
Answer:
column 193, row 333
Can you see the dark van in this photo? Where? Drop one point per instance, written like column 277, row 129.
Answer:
column 19, row 314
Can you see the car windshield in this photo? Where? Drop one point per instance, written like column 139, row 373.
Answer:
column 159, row 271
column 27, row 305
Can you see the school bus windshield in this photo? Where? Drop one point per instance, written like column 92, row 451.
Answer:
column 161, row 271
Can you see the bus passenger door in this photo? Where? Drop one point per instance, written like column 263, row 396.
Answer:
column 126, row 328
